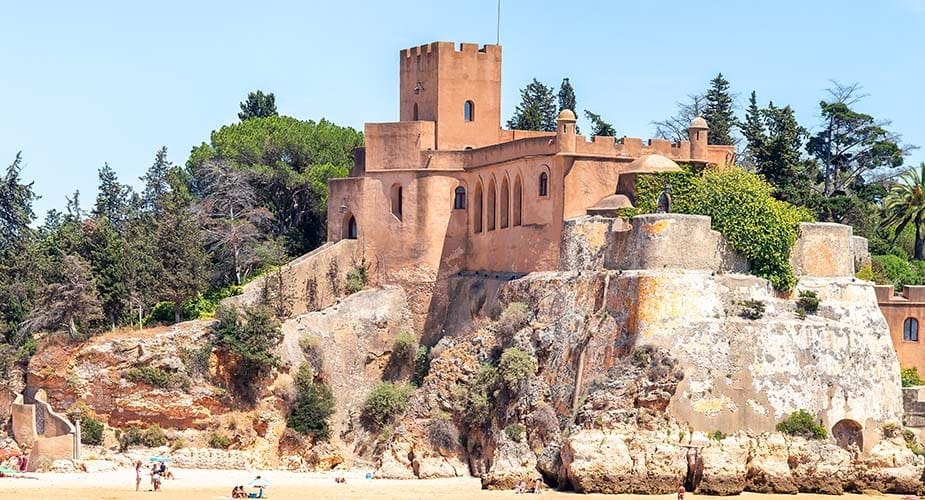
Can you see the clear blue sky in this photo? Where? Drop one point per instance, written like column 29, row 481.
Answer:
column 85, row 83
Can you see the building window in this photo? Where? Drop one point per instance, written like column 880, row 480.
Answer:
column 459, row 200
column 911, row 330
column 505, row 203
column 544, row 184
column 517, row 201
column 396, row 201
column 477, row 210
column 469, row 111
column 352, row 228
column 490, row 205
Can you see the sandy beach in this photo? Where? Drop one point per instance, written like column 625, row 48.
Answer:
column 215, row 484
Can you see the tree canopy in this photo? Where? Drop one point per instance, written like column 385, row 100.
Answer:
column 536, row 110
column 258, row 105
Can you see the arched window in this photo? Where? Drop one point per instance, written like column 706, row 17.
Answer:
column 544, row 184
column 911, row 330
column 490, row 205
column 459, row 199
column 396, row 200
column 469, row 111
column 518, row 196
column 351, row 232
column 505, row 202
column 415, row 112
column 477, row 210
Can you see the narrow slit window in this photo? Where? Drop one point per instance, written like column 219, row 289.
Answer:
column 469, row 111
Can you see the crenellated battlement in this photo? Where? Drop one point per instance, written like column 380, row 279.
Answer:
column 428, row 49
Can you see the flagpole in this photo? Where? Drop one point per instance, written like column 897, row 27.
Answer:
column 498, row 39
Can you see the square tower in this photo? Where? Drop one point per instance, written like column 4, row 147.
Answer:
column 460, row 90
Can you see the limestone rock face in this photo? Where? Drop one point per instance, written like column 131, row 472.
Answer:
column 94, row 372
column 644, row 363
column 596, row 461
column 349, row 346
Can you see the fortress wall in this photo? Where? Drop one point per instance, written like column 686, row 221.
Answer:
column 823, row 249
column 586, row 182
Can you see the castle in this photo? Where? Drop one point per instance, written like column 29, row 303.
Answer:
column 446, row 189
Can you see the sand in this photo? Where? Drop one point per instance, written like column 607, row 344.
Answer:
column 214, row 484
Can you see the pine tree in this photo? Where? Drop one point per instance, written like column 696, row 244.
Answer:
column 754, row 131
column 112, row 198
column 181, row 261
column 258, row 105
column 719, row 112
column 598, row 126
column 537, row 109
column 71, row 302
column 109, row 261
column 156, row 182
column 567, row 96
column 74, row 211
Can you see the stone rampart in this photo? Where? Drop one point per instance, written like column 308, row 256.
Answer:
column 823, row 249
column 671, row 241
column 310, row 282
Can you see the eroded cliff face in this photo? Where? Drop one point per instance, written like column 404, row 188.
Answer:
column 348, row 345
column 637, row 368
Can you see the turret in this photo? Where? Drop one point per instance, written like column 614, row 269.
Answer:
column 697, row 133
column 565, row 130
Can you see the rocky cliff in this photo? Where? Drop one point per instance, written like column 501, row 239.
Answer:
column 670, row 369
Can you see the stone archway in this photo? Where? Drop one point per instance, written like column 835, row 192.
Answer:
column 848, row 435
column 350, row 227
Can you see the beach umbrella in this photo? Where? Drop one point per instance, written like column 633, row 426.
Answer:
column 260, row 483
column 159, row 459
column 7, row 470
column 8, row 452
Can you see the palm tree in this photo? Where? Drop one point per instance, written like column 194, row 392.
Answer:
column 905, row 204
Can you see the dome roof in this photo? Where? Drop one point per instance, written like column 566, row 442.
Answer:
column 699, row 122
column 651, row 164
column 609, row 206
column 613, row 202
column 567, row 115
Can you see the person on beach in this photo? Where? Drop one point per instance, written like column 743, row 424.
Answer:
column 137, row 475
column 521, row 487
column 681, row 492
column 538, row 485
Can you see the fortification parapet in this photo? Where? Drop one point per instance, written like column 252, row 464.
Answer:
column 823, row 250
column 672, row 241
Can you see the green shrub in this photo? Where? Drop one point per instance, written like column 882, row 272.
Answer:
column 808, row 303
column 910, row 377
column 421, row 365
column 475, row 399
column 156, row 377
column 404, row 346
column 802, row 423
column 890, row 269
column 219, row 441
column 196, row 361
column 385, row 401
column 515, row 367
column 177, row 444
column 250, row 337
column 91, row 431
column 358, row 277
column 314, row 405
column 442, row 434
column 912, row 442
column 717, row 435
column 515, row 316
column 751, row 309
column 153, row 436
column 516, row 432
column 759, row 227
